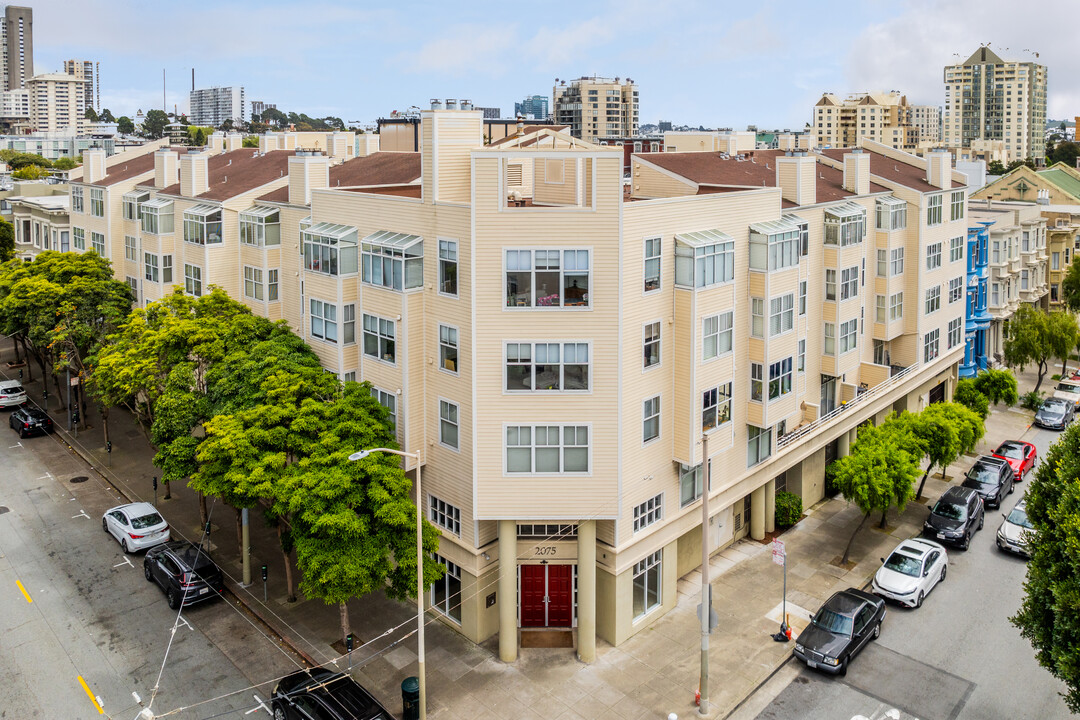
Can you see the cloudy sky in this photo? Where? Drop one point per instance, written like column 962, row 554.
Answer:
column 712, row 62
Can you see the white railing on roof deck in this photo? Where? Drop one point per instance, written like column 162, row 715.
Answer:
column 860, row 398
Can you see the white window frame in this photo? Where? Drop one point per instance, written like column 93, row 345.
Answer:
column 131, row 249
column 933, row 300
column 649, row 512
column 934, row 210
column 150, row 267
column 652, row 566
column 272, row 285
column 193, row 280
column 253, row 283
column 956, row 289
column 449, row 418
column 383, row 340
column 896, row 262
column 531, row 445
column 896, row 306
column 955, row 333
column 956, row 248
column 565, row 257
column 848, row 339
column 97, row 202
column 781, row 314
column 448, row 256
column 653, row 265
column 754, row 438
column 526, row 354
column 931, row 345
column 650, row 417
column 444, row 515
column 849, row 283
column 647, row 340
column 716, row 403
column 717, row 331
column 323, row 315
column 448, row 345
column 78, row 239
column 97, row 243
column 933, row 256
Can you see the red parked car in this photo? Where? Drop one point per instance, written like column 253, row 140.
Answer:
column 1021, row 456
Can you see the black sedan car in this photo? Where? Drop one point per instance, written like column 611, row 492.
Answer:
column 1055, row 414
column 992, row 478
column 956, row 516
column 319, row 694
column 184, row 571
column 28, row 420
column 840, row 629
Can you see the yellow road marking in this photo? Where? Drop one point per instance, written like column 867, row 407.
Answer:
column 25, row 594
column 90, row 695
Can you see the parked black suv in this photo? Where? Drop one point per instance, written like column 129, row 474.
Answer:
column 28, row 420
column 992, row 478
column 319, row 694
column 184, row 571
column 956, row 516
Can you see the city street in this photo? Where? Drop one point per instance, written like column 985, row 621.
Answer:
column 956, row 657
column 82, row 629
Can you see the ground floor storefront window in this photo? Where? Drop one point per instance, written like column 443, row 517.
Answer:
column 647, row 579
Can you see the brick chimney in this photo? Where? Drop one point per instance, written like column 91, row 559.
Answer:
column 308, row 170
column 857, row 172
column 796, row 176
column 166, row 171
column 194, row 174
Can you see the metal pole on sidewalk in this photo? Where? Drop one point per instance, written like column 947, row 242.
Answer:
column 245, row 553
column 69, row 399
column 783, row 618
column 706, row 590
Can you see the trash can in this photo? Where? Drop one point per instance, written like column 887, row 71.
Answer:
column 410, row 698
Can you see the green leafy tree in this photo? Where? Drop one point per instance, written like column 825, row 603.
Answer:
column 125, row 125
column 1028, row 341
column 273, row 116
column 877, row 474
column 996, row 168
column 251, row 141
column 1063, row 334
column 30, row 172
column 17, row 160
column 1070, row 287
column 65, row 163
column 999, row 386
column 91, row 114
column 7, row 241
column 154, row 123
column 947, row 431
column 198, row 138
column 1050, row 614
column 1064, row 152
column 106, row 116
column 968, row 395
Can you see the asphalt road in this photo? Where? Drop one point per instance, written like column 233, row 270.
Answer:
column 955, row 658
column 80, row 627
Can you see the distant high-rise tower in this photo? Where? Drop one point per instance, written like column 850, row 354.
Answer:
column 596, row 107
column 18, row 47
column 213, row 106
column 533, row 107
column 84, row 70
column 987, row 98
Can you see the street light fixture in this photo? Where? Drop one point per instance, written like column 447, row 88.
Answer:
column 419, row 571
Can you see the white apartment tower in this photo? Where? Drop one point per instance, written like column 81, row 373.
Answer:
column 213, row 106
column 57, row 103
column 987, row 98
column 596, row 107
column 88, row 71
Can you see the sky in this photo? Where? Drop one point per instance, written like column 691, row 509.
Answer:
column 715, row 63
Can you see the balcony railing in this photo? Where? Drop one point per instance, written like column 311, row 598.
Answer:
column 861, row 397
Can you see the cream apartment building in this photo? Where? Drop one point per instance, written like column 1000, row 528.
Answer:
column 595, row 107
column 1063, row 242
column 554, row 346
column 988, row 98
column 1018, row 263
column 57, row 103
column 883, row 117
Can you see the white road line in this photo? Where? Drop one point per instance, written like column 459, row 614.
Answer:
column 260, row 706
column 185, row 622
column 126, row 561
column 46, row 476
column 81, row 514
column 16, row 445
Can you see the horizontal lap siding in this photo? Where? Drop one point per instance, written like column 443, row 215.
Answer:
column 546, row 497
column 651, row 183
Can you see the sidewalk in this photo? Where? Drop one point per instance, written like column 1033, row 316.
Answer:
column 649, row 676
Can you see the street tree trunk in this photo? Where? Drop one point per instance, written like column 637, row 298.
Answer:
column 918, row 495
column 168, row 491
column 240, row 531
column 59, row 392
column 26, row 359
column 884, row 516
column 344, row 623
column 847, row 550
column 1042, row 371
column 105, row 421
column 203, row 515
column 286, row 555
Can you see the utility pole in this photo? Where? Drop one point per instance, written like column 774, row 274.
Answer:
column 706, row 590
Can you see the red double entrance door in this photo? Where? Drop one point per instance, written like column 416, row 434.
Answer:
column 547, row 595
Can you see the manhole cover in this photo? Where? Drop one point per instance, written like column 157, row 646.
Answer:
column 3, row 509
column 78, row 479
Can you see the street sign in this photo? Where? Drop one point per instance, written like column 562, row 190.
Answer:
column 778, row 552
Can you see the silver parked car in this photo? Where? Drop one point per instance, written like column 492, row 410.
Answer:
column 1013, row 534
column 11, row 393
column 911, row 571
column 136, row 526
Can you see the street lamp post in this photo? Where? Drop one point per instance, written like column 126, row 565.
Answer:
column 419, row 571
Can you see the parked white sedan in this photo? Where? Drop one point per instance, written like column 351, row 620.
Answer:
column 136, row 526
column 911, row 571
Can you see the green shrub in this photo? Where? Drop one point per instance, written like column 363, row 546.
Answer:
column 788, row 509
column 1031, row 400
column 968, row 395
column 1055, row 376
column 999, row 386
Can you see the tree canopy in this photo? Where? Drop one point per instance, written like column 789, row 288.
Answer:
column 153, row 125
column 66, row 163
column 999, row 386
column 30, row 172
column 1070, row 287
column 968, row 395
column 16, row 159
column 7, row 240
column 125, row 125
column 1034, row 337
column 106, row 116
column 1050, row 614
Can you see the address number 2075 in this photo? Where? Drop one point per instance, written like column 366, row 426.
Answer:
column 544, row 549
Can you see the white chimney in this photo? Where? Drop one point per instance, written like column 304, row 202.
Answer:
column 857, row 172
column 308, row 170
column 93, row 165
column 194, row 174
column 939, row 169
column 796, row 176
column 165, row 168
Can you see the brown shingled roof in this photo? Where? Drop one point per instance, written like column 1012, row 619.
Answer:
column 714, row 174
column 895, row 170
column 237, row 172
column 127, row 170
column 382, row 168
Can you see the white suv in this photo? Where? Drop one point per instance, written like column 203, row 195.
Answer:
column 11, row 393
